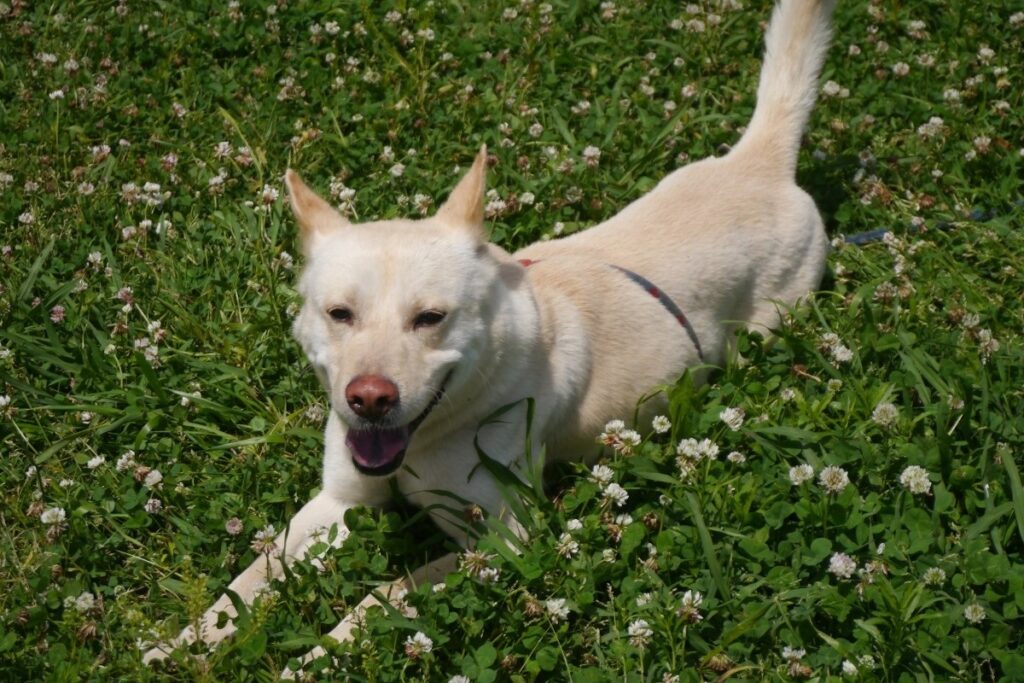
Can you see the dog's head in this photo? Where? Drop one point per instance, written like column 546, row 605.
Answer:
column 391, row 311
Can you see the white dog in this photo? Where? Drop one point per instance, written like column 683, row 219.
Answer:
column 420, row 329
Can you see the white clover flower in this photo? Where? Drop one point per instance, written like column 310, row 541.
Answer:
column 688, row 448
column 489, row 575
column 601, row 475
column 733, row 417
column 477, row 565
column 269, row 195
column 640, row 633
column 618, row 437
column 987, row 343
column 841, row 354
column 263, row 540
column 833, row 479
column 614, row 426
column 849, row 668
column 5, row 401
column 153, row 506
column 800, row 474
column 842, row 565
column 687, row 467
column 644, row 599
column 628, row 440
column 495, row 207
column 95, row 462
column 736, row 458
column 915, row 479
column 153, row 478
column 459, row 679
column 885, row 415
column 397, row 170
column 616, row 494
column 567, row 547
column 698, row 450
column 53, row 516
column 829, row 341
column 866, row 661
column 661, row 424
column 574, row 525
column 83, row 603
column 689, row 607
column 931, row 129
column 608, row 555
column 418, row 644
column 557, row 610
column 793, row 654
column 934, row 576
column 974, row 613
column 126, row 461
column 692, row 599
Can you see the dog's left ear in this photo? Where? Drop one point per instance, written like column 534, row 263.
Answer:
column 315, row 216
column 464, row 208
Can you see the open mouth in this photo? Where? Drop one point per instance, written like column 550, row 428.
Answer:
column 380, row 451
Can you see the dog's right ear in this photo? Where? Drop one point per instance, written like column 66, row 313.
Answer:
column 316, row 217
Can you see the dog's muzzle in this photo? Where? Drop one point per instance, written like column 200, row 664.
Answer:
column 379, row 451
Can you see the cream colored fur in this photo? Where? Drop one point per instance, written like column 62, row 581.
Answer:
column 728, row 239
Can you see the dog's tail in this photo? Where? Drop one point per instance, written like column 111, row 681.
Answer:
column 795, row 48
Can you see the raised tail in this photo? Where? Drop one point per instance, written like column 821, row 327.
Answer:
column 795, row 47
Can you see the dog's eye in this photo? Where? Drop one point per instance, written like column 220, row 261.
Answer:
column 340, row 314
column 428, row 319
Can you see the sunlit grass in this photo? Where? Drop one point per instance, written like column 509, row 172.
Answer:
column 150, row 392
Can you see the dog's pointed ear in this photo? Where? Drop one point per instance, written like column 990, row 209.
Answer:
column 465, row 205
column 315, row 216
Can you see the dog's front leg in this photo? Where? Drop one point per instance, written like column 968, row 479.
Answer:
column 308, row 526
column 432, row 572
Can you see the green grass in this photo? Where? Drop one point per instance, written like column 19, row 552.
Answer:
column 230, row 415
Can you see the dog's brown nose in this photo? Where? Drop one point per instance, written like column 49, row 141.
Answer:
column 371, row 396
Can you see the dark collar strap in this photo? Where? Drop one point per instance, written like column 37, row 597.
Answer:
column 663, row 298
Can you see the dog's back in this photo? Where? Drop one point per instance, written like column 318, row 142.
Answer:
column 730, row 240
column 731, row 237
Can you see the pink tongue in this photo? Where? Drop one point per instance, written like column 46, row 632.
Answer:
column 373, row 448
